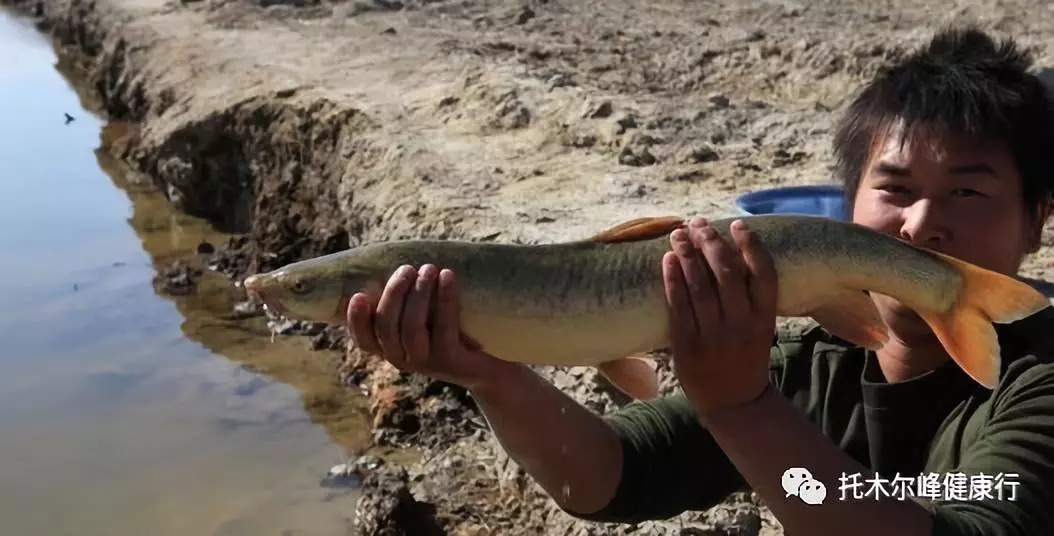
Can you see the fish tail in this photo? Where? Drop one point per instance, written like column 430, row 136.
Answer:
column 966, row 329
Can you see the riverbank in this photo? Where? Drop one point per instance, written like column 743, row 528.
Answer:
column 304, row 127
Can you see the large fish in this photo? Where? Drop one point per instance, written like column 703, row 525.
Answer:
column 600, row 301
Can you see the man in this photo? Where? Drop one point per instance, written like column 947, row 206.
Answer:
column 952, row 149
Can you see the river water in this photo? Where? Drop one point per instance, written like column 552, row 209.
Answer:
column 124, row 410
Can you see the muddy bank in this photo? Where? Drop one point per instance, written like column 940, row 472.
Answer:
column 305, row 127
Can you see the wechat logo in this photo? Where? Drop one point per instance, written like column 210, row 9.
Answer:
column 799, row 482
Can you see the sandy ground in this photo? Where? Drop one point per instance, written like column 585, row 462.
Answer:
column 306, row 126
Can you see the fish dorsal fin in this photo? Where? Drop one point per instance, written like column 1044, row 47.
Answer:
column 639, row 229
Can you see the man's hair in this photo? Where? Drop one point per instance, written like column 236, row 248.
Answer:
column 961, row 83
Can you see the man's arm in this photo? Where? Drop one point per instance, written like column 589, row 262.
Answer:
column 570, row 451
column 768, row 436
column 1016, row 442
column 648, row 460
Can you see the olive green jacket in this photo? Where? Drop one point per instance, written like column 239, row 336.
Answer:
column 937, row 424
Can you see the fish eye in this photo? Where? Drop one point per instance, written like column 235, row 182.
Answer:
column 299, row 286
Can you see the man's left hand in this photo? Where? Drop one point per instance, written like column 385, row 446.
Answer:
column 721, row 298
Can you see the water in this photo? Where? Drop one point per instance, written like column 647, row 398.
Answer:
column 124, row 410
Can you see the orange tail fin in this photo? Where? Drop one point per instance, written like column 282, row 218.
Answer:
column 966, row 330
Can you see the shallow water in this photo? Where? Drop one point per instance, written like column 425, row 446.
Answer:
column 124, row 410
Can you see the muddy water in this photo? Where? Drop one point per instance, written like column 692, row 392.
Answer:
column 124, row 410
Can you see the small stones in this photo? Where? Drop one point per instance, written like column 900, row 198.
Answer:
column 625, row 123
column 636, row 152
column 247, row 309
column 560, row 80
column 583, row 140
column 510, row 113
column 783, row 158
column 178, row 279
column 693, row 176
column 637, row 157
column 636, row 189
column 525, row 15
column 698, row 155
column 598, row 110
column 719, row 101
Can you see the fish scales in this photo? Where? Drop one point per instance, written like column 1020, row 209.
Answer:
column 811, row 253
column 545, row 280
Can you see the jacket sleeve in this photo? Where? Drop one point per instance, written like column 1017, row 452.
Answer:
column 1015, row 454
column 671, row 464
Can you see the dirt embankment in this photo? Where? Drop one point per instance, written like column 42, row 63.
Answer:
column 307, row 126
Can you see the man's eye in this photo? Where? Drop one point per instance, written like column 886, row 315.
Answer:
column 966, row 192
column 893, row 189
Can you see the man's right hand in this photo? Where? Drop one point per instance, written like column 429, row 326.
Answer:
column 415, row 326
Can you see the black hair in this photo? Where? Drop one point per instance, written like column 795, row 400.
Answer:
column 961, row 83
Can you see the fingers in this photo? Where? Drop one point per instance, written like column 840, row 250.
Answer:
column 413, row 328
column 417, row 316
column 697, row 279
column 446, row 333
column 763, row 280
column 683, row 327
column 360, row 323
column 729, row 272
column 389, row 313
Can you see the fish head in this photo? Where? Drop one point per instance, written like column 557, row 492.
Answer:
column 317, row 290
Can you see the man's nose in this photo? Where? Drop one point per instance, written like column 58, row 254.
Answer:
column 922, row 225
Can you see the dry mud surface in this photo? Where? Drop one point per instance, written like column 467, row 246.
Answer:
column 307, row 126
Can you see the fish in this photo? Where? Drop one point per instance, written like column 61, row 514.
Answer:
column 600, row 301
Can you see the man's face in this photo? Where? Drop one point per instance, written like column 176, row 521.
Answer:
column 949, row 195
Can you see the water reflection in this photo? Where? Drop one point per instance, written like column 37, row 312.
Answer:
column 126, row 410
column 208, row 312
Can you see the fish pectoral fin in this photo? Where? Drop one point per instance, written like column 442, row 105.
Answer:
column 639, row 229
column 966, row 330
column 851, row 315
column 635, row 376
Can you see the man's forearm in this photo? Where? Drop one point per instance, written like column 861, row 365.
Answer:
column 765, row 438
column 570, row 451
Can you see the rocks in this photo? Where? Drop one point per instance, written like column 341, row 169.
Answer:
column 636, row 151
column 388, row 508
column 177, row 279
column 598, row 110
column 525, row 15
column 206, row 248
column 247, row 309
column 330, row 338
column 699, row 154
column 639, row 156
column 783, row 158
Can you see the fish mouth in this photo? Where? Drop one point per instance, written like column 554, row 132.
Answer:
column 255, row 293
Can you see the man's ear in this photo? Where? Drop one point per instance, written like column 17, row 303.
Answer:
column 1042, row 213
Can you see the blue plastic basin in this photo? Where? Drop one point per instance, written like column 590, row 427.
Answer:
column 808, row 200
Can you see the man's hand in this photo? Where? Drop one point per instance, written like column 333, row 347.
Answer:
column 415, row 327
column 722, row 304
